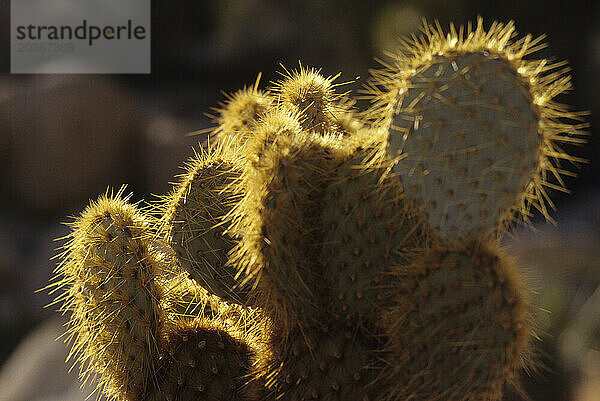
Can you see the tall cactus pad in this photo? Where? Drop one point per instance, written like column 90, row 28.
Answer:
column 460, row 330
column 279, row 217
column 369, row 229
column 475, row 127
column 195, row 213
column 108, row 275
column 471, row 141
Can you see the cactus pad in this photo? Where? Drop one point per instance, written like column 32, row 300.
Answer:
column 369, row 229
column 205, row 362
column 461, row 329
column 108, row 276
column 195, row 213
column 474, row 128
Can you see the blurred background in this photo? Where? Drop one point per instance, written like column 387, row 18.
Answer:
column 65, row 138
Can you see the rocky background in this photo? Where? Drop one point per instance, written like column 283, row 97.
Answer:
column 65, row 138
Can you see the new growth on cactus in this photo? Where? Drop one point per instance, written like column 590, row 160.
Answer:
column 238, row 116
column 316, row 252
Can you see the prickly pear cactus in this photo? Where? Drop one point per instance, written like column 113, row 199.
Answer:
column 316, row 252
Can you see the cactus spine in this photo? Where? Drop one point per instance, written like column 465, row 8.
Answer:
column 333, row 257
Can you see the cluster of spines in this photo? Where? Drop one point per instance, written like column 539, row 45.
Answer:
column 185, row 300
column 239, row 115
column 303, row 93
column 310, row 94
